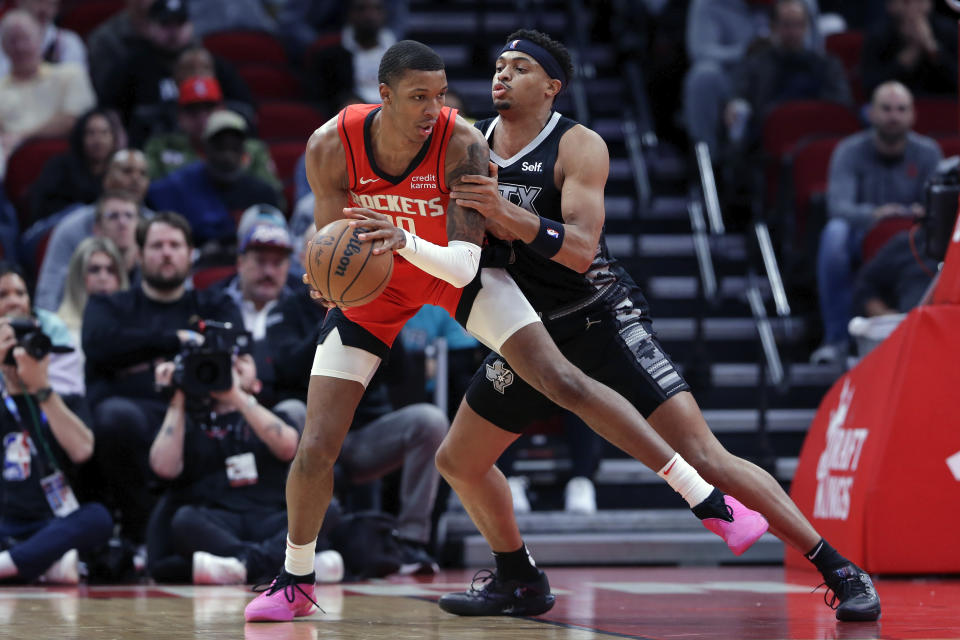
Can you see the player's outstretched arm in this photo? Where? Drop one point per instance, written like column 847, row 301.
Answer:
column 583, row 164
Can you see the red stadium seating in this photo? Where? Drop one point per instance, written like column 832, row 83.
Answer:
column 268, row 82
column 881, row 233
column 287, row 121
column 285, row 156
column 950, row 145
column 936, row 116
column 848, row 48
column 809, row 166
column 84, row 17
column 203, row 278
column 244, row 47
column 23, row 168
column 791, row 123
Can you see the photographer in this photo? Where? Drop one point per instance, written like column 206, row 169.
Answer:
column 66, row 365
column 42, row 525
column 125, row 335
column 227, row 457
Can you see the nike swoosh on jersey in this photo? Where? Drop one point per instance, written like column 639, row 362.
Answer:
column 368, row 180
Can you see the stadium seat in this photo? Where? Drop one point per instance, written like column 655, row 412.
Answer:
column 285, row 156
column 84, row 17
column 268, row 82
column 936, row 116
column 881, row 233
column 848, row 48
column 809, row 166
column 950, row 145
column 247, row 46
column 791, row 123
column 23, row 168
column 287, row 121
column 203, row 278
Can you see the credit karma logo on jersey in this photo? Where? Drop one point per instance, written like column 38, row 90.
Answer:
column 399, row 204
column 838, row 462
column 520, row 194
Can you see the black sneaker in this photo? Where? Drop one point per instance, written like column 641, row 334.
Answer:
column 854, row 597
column 490, row 596
column 416, row 560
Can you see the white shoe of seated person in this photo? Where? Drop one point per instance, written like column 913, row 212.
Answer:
column 211, row 569
column 63, row 571
column 580, row 496
column 518, row 489
column 328, row 566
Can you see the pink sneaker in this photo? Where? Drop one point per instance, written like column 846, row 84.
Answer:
column 743, row 529
column 287, row 597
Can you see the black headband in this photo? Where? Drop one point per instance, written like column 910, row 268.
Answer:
column 541, row 55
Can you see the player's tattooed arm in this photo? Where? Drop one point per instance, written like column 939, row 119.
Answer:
column 464, row 223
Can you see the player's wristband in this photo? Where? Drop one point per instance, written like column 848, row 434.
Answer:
column 549, row 239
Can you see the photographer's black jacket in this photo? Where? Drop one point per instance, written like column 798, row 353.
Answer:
column 126, row 334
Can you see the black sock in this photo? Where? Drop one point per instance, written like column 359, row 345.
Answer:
column 515, row 565
column 713, row 507
column 825, row 558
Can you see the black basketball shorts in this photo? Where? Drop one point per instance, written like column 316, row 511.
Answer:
column 614, row 345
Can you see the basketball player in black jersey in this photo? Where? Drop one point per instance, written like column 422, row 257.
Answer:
column 545, row 198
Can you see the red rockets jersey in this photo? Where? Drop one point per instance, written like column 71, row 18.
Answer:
column 416, row 201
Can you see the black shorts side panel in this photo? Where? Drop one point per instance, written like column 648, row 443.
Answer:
column 622, row 353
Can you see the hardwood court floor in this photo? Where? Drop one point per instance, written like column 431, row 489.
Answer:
column 651, row 603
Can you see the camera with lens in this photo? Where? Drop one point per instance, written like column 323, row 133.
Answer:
column 202, row 368
column 31, row 337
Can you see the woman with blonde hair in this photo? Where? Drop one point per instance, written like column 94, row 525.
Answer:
column 95, row 268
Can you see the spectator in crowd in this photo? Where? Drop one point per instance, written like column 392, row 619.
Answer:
column 579, row 493
column 875, row 174
column 915, row 47
column 65, row 370
column 123, row 336
column 381, row 439
column 43, row 527
column 200, row 96
column 76, row 177
column 719, row 34
column 782, row 71
column 212, row 193
column 346, row 71
column 59, row 45
column 114, row 38
column 145, row 77
column 263, row 279
column 96, row 268
column 126, row 175
column 288, row 20
column 897, row 277
column 224, row 517
column 36, row 98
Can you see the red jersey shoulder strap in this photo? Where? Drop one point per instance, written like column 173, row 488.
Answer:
column 444, row 127
column 350, row 127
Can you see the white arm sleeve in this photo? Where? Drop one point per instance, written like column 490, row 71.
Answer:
column 456, row 263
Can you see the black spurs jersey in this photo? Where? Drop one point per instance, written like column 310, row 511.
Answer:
column 526, row 180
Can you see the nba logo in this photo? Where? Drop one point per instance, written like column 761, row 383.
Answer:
column 513, row 44
column 17, row 449
column 553, row 233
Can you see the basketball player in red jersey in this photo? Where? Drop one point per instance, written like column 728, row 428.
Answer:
column 393, row 166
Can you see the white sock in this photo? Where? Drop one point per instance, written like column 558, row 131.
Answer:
column 7, row 568
column 299, row 561
column 685, row 480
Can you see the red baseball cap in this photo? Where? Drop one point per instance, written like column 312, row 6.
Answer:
column 200, row 89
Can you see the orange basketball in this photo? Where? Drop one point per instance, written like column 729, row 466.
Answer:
column 343, row 269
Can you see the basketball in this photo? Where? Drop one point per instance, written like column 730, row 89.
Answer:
column 344, row 269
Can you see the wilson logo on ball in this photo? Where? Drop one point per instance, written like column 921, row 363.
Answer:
column 344, row 269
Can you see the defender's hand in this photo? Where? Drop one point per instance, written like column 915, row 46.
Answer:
column 376, row 226
column 480, row 193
